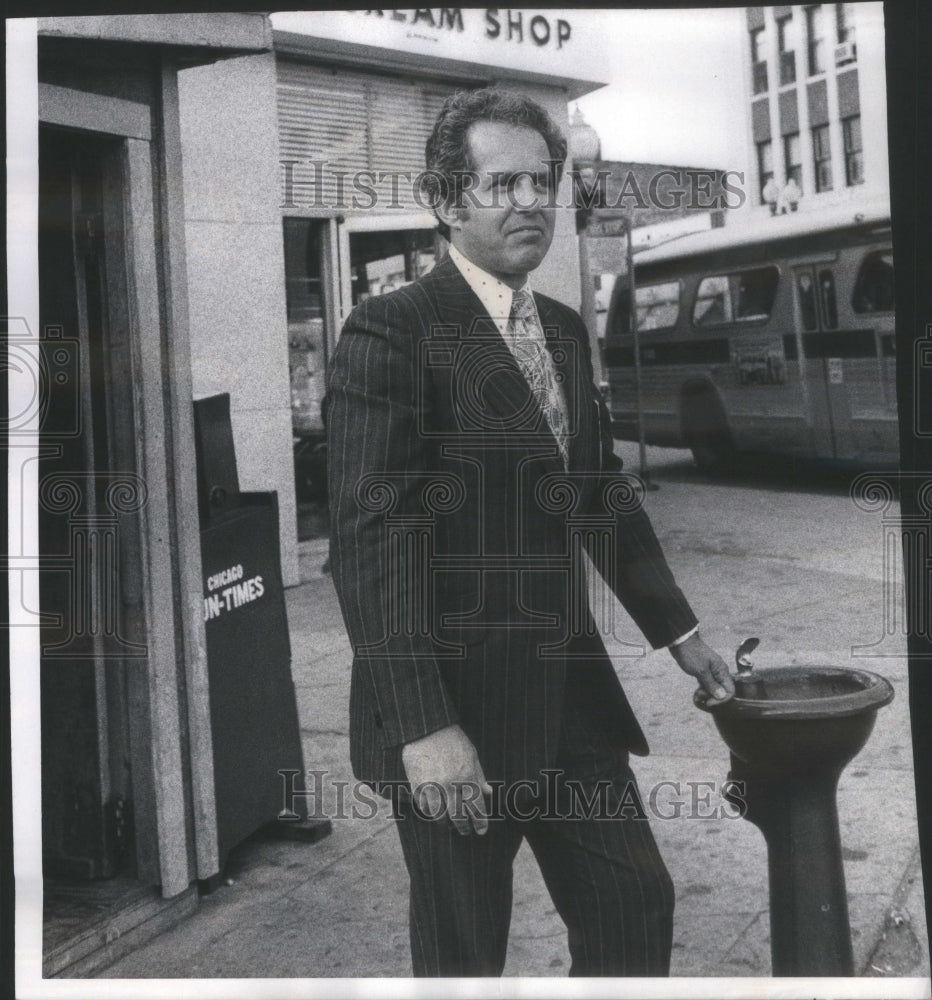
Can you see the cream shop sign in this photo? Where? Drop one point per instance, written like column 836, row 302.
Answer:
column 517, row 26
column 566, row 48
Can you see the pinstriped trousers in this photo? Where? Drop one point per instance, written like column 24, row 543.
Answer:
column 604, row 872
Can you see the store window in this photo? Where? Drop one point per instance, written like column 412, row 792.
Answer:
column 874, row 288
column 729, row 298
column 792, row 158
column 307, row 316
column 822, row 158
column 764, row 165
column 854, row 156
column 786, row 44
column 815, row 40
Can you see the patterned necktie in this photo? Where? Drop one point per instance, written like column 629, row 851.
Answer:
column 526, row 340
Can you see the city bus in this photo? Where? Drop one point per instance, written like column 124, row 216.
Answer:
column 774, row 335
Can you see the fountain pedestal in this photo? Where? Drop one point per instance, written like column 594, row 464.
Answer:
column 791, row 732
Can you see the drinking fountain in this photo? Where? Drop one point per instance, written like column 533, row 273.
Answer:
column 791, row 732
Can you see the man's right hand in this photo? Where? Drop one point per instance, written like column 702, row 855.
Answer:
column 445, row 774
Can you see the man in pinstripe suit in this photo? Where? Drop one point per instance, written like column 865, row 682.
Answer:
column 471, row 461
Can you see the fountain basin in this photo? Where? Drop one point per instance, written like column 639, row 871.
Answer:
column 788, row 720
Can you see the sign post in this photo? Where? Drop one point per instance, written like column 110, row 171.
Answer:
column 611, row 255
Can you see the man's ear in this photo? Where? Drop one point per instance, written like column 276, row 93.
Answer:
column 452, row 215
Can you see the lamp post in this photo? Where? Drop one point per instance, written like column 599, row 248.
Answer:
column 585, row 152
column 585, row 149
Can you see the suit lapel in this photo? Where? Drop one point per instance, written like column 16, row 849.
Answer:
column 501, row 386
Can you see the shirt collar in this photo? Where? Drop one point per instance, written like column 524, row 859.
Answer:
column 493, row 293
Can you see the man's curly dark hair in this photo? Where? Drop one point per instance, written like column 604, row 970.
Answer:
column 447, row 152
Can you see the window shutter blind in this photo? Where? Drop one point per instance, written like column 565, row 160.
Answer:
column 352, row 122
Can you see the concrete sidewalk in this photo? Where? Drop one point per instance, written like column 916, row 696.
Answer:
column 782, row 565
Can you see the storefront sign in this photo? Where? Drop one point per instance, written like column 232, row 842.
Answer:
column 570, row 41
column 606, row 227
column 608, row 245
column 509, row 25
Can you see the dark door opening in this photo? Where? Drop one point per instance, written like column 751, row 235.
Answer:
column 92, row 628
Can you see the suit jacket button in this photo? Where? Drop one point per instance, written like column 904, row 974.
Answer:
column 378, row 720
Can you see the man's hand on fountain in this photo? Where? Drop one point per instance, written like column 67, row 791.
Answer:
column 702, row 662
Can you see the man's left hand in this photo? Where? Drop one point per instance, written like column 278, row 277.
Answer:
column 702, row 662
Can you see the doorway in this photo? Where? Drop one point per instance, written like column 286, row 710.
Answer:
column 322, row 287
column 385, row 260
column 93, row 627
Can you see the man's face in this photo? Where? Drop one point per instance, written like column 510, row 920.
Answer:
column 506, row 223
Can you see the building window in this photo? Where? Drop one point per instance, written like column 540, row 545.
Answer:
column 854, row 158
column 844, row 21
column 764, row 165
column 786, row 43
column 758, row 62
column 815, row 40
column 822, row 156
column 792, row 159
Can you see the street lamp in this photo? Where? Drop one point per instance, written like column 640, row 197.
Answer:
column 585, row 152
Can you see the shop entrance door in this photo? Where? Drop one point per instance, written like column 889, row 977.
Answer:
column 378, row 255
column 330, row 267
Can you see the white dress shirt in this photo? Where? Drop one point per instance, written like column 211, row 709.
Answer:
column 494, row 294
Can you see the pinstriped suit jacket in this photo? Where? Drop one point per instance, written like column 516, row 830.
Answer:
column 456, row 530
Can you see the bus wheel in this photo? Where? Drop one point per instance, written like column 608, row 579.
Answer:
column 707, row 433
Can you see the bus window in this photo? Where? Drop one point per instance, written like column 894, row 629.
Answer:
column 657, row 306
column 713, row 301
column 827, row 292
column 873, row 290
column 756, row 291
column 806, row 296
column 745, row 295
